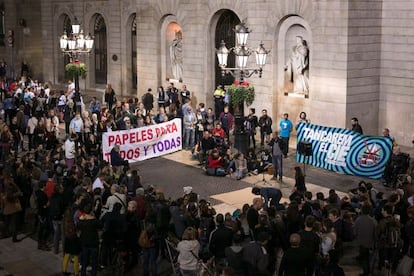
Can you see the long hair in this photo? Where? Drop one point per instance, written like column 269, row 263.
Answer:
column 298, row 172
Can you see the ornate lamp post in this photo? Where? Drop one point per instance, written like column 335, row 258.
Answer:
column 73, row 45
column 242, row 53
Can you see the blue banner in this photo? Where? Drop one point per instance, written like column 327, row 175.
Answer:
column 345, row 151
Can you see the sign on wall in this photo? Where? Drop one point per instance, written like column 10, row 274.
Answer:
column 345, row 151
column 145, row 142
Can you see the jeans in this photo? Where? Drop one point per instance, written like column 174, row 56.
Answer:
column 57, row 234
column 285, row 145
column 150, row 260
column 240, row 174
column 44, row 228
column 277, row 162
column 89, row 256
column 251, row 138
column 189, row 138
column 264, row 137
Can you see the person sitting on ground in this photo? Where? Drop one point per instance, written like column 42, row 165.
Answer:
column 207, row 145
column 214, row 164
column 252, row 162
column 241, row 166
column 218, row 133
column 265, row 161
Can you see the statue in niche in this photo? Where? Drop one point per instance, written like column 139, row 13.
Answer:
column 297, row 67
column 176, row 55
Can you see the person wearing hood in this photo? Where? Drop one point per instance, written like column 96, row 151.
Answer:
column 188, row 249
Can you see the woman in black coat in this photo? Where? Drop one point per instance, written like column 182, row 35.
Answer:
column 300, row 187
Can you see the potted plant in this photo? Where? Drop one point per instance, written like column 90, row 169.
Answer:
column 241, row 93
column 76, row 68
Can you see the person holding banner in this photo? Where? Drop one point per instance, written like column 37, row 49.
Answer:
column 116, row 160
column 302, row 119
column 356, row 126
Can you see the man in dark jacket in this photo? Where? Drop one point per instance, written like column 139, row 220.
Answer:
column 220, row 238
column 207, row 145
column 296, row 258
column 116, row 158
column 271, row 196
column 255, row 256
column 148, row 100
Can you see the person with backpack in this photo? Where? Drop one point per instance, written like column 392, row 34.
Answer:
column 364, row 229
column 389, row 238
column 148, row 242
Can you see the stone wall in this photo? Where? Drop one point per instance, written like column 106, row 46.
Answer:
column 397, row 70
column 363, row 63
column 361, row 52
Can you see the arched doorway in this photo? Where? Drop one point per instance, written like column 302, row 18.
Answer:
column 66, row 27
column 100, row 50
column 134, row 53
column 225, row 31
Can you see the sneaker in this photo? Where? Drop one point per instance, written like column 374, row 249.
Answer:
column 273, row 178
column 255, row 172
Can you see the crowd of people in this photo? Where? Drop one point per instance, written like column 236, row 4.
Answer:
column 88, row 209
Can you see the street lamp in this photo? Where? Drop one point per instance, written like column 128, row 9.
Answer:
column 242, row 53
column 73, row 45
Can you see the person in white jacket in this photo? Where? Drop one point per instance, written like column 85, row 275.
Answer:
column 116, row 196
column 70, row 151
column 31, row 126
column 188, row 249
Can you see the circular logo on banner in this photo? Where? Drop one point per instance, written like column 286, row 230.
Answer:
column 367, row 158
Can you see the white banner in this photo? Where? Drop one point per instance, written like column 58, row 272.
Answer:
column 145, row 142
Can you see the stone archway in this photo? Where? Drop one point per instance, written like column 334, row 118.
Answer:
column 224, row 30
column 65, row 25
column 289, row 29
column 100, row 48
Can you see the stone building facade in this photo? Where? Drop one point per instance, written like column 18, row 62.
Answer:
column 361, row 54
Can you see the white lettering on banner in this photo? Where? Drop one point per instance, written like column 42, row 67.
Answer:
column 327, row 137
column 335, row 145
column 143, row 143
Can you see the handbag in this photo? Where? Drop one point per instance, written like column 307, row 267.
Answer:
column 405, row 265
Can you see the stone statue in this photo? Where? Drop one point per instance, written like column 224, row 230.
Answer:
column 297, row 67
column 176, row 55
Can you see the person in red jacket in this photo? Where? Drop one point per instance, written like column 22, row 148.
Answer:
column 214, row 160
column 215, row 164
column 218, row 134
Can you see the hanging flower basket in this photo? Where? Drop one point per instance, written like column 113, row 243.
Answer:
column 76, row 68
column 240, row 93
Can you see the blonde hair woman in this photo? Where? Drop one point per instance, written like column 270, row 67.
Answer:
column 188, row 250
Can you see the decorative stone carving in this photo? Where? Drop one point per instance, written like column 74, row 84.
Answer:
column 297, row 68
